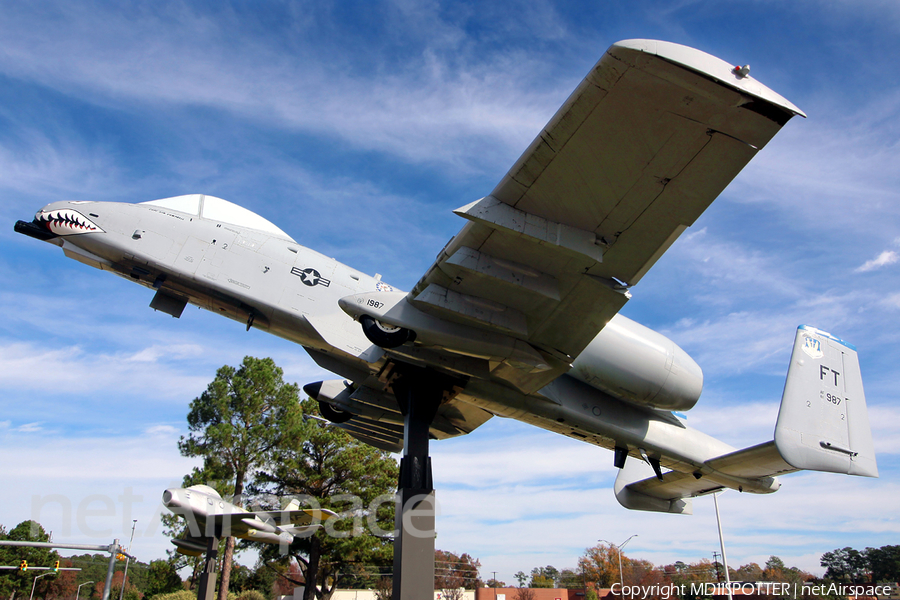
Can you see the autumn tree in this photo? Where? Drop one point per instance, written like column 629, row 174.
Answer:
column 600, row 565
column 321, row 465
column 453, row 572
column 241, row 418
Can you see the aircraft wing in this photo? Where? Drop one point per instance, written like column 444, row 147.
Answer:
column 646, row 142
column 302, row 516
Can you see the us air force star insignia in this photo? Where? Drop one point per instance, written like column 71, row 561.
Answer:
column 310, row 277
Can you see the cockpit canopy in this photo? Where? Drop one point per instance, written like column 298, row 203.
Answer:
column 216, row 209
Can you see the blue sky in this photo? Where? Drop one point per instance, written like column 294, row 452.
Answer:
column 357, row 127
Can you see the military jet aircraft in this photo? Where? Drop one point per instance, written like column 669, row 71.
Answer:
column 210, row 516
column 518, row 316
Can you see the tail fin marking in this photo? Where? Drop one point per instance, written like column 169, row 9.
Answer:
column 823, row 423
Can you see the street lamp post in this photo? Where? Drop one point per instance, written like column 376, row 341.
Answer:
column 619, row 552
column 78, row 591
column 34, row 583
column 127, row 560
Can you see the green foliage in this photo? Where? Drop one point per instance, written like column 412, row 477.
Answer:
column 591, row 595
column 324, row 466
column 251, row 595
column 182, row 595
column 845, row 565
column 242, row 418
column 884, row 563
column 570, row 579
column 243, row 415
column 19, row 583
column 544, row 577
column 162, row 578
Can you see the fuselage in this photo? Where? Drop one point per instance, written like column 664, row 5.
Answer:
column 208, row 515
column 211, row 253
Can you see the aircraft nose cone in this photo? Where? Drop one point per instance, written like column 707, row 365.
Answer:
column 312, row 389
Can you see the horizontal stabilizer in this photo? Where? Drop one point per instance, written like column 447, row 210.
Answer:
column 823, row 423
column 637, row 488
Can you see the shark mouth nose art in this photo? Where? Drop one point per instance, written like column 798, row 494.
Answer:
column 65, row 221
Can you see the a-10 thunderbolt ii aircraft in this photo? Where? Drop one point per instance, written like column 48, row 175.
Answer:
column 209, row 516
column 518, row 316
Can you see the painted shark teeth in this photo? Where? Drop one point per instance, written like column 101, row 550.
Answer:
column 65, row 221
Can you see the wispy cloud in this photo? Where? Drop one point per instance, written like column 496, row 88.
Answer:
column 29, row 428
column 888, row 257
column 438, row 107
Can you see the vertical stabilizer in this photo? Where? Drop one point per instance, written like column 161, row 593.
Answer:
column 823, row 424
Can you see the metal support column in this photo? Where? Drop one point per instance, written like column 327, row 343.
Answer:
column 206, row 590
column 419, row 394
column 113, row 551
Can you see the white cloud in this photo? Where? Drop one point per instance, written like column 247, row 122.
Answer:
column 29, row 427
column 25, row 366
column 888, row 257
column 161, row 430
column 189, row 60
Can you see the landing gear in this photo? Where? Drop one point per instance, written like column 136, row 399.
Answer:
column 384, row 335
column 335, row 415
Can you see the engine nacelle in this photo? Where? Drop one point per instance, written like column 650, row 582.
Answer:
column 635, row 363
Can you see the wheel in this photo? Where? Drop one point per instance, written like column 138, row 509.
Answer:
column 333, row 414
column 384, row 335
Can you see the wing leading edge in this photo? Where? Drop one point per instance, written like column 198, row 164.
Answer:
column 645, row 143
